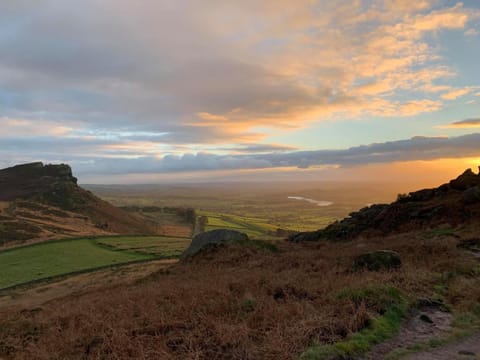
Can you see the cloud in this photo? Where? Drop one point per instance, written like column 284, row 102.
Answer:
column 24, row 127
column 260, row 148
column 471, row 32
column 454, row 94
column 452, row 18
column 463, row 124
column 417, row 148
column 212, row 71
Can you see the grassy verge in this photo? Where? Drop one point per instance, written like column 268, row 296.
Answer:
column 49, row 260
column 386, row 300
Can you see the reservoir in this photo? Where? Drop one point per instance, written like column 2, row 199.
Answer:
column 312, row 201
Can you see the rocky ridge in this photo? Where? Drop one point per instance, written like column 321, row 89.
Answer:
column 456, row 202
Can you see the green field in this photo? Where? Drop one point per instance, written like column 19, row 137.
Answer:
column 50, row 259
column 161, row 246
column 264, row 206
column 253, row 227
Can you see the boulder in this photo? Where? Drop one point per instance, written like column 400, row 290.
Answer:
column 377, row 261
column 214, row 237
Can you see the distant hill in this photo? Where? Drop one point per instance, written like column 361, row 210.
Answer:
column 40, row 201
column 451, row 204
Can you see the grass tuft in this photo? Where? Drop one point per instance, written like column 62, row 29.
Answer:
column 384, row 299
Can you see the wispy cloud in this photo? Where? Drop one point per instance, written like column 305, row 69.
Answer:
column 471, row 32
column 454, row 94
column 463, row 124
column 224, row 72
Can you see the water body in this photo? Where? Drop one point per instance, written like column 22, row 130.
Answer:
column 311, row 201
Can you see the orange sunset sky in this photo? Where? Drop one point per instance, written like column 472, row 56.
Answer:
column 162, row 90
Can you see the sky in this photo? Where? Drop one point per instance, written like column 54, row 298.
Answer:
column 167, row 90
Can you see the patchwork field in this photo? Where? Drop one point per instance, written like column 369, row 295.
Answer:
column 163, row 247
column 253, row 227
column 265, row 206
column 51, row 259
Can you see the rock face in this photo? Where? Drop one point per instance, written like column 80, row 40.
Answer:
column 454, row 203
column 377, row 261
column 28, row 180
column 214, row 237
column 471, row 195
column 465, row 181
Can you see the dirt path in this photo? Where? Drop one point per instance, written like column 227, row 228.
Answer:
column 425, row 324
column 464, row 350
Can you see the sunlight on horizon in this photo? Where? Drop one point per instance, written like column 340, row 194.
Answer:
column 245, row 86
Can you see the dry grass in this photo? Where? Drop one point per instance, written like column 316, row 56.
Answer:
column 31, row 297
column 239, row 302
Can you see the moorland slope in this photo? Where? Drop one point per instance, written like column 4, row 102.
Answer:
column 454, row 203
column 40, row 201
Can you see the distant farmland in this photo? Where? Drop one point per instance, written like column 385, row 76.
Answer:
column 51, row 259
column 253, row 227
column 160, row 246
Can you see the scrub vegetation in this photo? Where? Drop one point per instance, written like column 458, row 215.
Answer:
column 245, row 302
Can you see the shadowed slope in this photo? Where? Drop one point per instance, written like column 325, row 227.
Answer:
column 44, row 201
column 454, row 203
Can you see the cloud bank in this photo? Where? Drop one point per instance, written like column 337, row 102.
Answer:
column 417, row 148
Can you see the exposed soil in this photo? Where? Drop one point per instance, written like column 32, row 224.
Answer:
column 464, row 350
column 425, row 324
column 428, row 323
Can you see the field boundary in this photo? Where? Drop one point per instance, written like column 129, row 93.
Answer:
column 80, row 272
column 87, row 237
column 94, row 241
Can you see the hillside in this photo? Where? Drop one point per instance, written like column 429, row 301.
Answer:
column 40, row 201
column 451, row 204
column 307, row 300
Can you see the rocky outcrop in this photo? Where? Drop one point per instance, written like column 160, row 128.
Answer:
column 465, row 181
column 471, row 195
column 36, row 192
column 214, row 237
column 34, row 179
column 455, row 202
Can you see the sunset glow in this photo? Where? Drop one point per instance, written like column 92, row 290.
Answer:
column 153, row 90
